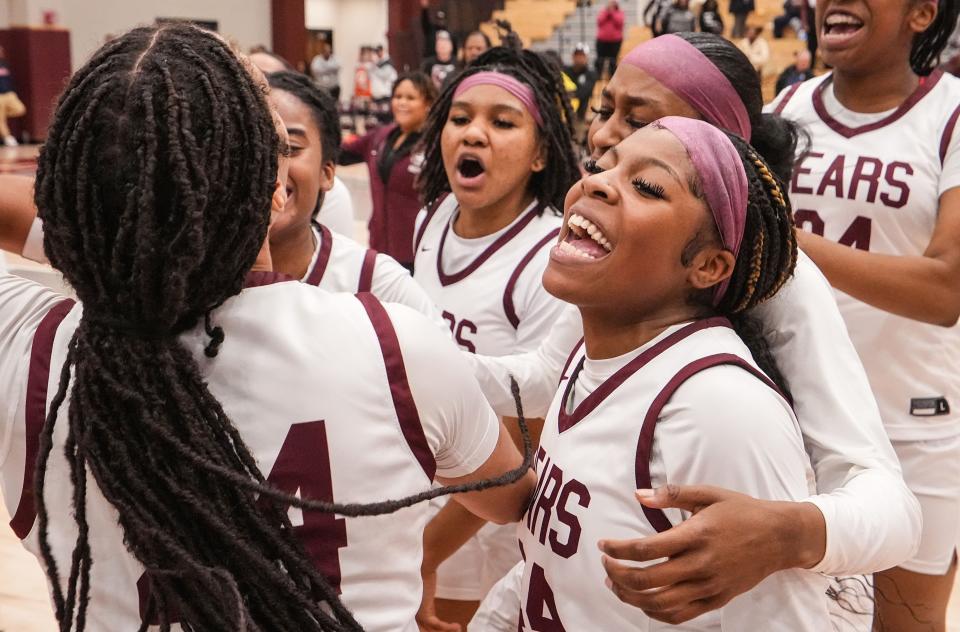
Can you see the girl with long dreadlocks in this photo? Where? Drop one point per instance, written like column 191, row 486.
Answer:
column 878, row 200
column 185, row 453
column 672, row 236
column 499, row 159
column 863, row 518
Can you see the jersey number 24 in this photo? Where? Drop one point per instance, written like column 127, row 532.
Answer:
column 857, row 234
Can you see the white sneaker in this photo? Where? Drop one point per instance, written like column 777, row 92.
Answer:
column 10, row 141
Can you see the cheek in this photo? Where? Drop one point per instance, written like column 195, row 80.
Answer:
column 515, row 150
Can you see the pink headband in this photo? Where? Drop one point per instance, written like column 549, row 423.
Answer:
column 522, row 91
column 721, row 173
column 684, row 70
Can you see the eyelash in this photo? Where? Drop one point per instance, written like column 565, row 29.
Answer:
column 605, row 114
column 648, row 189
column 463, row 120
column 590, row 166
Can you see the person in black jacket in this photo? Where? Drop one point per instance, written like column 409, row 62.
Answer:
column 710, row 20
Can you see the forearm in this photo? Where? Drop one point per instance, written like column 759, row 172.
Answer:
column 872, row 523
column 449, row 530
column 17, row 212
column 921, row 288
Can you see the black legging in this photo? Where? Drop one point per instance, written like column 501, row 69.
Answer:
column 607, row 51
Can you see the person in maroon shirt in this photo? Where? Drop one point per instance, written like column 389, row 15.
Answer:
column 388, row 153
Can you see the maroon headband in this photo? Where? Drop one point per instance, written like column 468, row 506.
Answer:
column 523, row 92
column 685, row 71
column 722, row 176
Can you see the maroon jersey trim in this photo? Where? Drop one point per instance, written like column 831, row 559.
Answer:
column 36, row 411
column 258, row 278
column 366, row 270
column 657, row 519
column 792, row 90
column 573, row 354
column 948, row 134
column 315, row 274
column 503, row 240
column 426, row 220
column 926, row 85
column 508, row 306
column 587, row 406
column 403, row 402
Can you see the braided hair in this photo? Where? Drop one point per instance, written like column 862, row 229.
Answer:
column 927, row 46
column 552, row 183
column 323, row 109
column 155, row 189
column 767, row 257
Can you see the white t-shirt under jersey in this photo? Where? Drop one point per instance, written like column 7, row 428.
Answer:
column 720, row 425
column 490, row 288
column 873, row 521
column 873, row 181
column 336, row 212
column 294, row 358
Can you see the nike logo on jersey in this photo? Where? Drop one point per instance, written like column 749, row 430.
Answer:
column 424, row 249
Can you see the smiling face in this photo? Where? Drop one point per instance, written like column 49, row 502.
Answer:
column 625, row 247
column 490, row 147
column 310, row 176
column 864, row 35
column 409, row 106
column 630, row 101
column 475, row 46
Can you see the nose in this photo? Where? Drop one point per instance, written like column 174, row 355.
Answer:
column 600, row 187
column 604, row 137
column 475, row 135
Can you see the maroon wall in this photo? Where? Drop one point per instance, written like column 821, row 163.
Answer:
column 40, row 62
column 289, row 22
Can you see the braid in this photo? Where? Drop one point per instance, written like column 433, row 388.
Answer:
column 927, row 46
column 766, row 260
column 562, row 170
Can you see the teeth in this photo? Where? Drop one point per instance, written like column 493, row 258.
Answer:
column 837, row 19
column 579, row 221
column 567, row 248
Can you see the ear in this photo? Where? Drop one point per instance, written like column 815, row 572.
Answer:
column 540, row 161
column 279, row 199
column 327, row 171
column 921, row 15
column 710, row 266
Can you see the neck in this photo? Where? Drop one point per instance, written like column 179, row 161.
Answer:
column 292, row 256
column 480, row 222
column 880, row 89
column 607, row 335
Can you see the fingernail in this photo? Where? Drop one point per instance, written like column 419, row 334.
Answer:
column 645, row 493
column 608, row 583
column 601, row 544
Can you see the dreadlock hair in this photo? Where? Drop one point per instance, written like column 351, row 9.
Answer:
column 323, row 109
column 562, row 171
column 767, row 257
column 774, row 137
column 927, row 46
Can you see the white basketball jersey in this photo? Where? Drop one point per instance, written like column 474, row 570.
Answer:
column 488, row 300
column 876, row 186
column 340, row 264
column 594, row 454
column 300, row 368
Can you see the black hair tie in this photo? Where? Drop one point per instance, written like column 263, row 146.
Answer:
column 216, row 336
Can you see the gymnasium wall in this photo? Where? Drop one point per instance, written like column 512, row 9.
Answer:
column 354, row 23
column 90, row 21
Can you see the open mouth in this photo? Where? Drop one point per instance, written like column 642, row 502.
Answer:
column 470, row 167
column 839, row 25
column 584, row 239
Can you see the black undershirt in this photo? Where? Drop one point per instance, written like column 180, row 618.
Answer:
column 389, row 156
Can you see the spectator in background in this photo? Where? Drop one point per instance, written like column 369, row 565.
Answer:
column 382, row 77
column 740, row 10
column 756, row 48
column 10, row 104
column 476, row 44
column 362, row 85
column 609, row 37
column 653, row 14
column 388, row 154
column 710, row 20
column 326, row 70
column 430, row 27
column 443, row 62
column 794, row 16
column 799, row 71
column 678, row 18
column 585, row 79
column 951, row 53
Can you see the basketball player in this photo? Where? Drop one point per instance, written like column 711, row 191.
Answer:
column 498, row 162
column 878, row 199
column 674, row 234
column 863, row 518
column 179, row 449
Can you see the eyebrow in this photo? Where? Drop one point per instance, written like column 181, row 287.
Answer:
column 297, row 131
column 651, row 162
column 500, row 107
column 633, row 100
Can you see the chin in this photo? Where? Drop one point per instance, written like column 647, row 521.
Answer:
column 561, row 286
